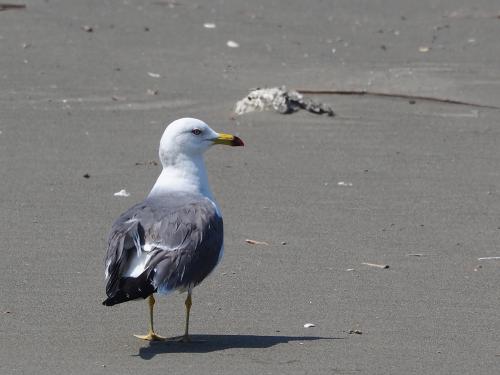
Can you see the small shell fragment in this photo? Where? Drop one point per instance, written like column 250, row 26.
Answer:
column 232, row 44
column 309, row 325
column 254, row 242
column 343, row 183
column 382, row 266
column 87, row 28
column 122, row 193
column 355, row 331
column 209, row 25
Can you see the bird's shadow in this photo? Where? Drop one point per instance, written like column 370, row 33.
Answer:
column 212, row 343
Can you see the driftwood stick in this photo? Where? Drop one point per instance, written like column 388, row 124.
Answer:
column 391, row 95
column 7, row 6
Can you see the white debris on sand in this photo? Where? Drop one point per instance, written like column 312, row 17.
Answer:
column 309, row 325
column 343, row 183
column 232, row 44
column 280, row 100
column 122, row 193
column 381, row 266
column 489, row 258
column 209, row 25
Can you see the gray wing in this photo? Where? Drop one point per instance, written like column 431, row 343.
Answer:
column 162, row 244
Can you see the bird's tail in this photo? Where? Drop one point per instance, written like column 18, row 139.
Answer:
column 130, row 288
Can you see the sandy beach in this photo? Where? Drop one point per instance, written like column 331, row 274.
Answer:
column 413, row 183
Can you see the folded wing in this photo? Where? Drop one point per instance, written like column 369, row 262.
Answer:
column 162, row 245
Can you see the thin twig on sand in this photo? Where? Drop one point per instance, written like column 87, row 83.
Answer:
column 394, row 95
column 254, row 242
column 7, row 6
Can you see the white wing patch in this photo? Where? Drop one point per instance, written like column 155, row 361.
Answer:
column 137, row 264
column 140, row 260
column 106, row 273
column 148, row 246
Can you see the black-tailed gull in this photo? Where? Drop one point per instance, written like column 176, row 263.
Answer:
column 174, row 238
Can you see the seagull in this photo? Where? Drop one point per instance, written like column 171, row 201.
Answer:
column 173, row 239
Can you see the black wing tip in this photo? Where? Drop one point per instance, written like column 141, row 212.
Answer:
column 130, row 288
column 111, row 301
column 108, row 302
column 120, row 298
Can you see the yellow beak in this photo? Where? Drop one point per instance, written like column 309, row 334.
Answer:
column 228, row 139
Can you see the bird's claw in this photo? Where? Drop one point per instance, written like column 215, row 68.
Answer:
column 151, row 336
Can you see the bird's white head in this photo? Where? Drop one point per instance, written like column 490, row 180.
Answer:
column 181, row 154
column 189, row 137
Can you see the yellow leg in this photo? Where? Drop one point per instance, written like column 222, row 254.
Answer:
column 185, row 337
column 151, row 335
column 188, row 304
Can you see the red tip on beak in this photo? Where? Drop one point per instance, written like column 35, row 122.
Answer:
column 237, row 142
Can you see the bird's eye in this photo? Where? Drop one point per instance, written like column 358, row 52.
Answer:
column 196, row 131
